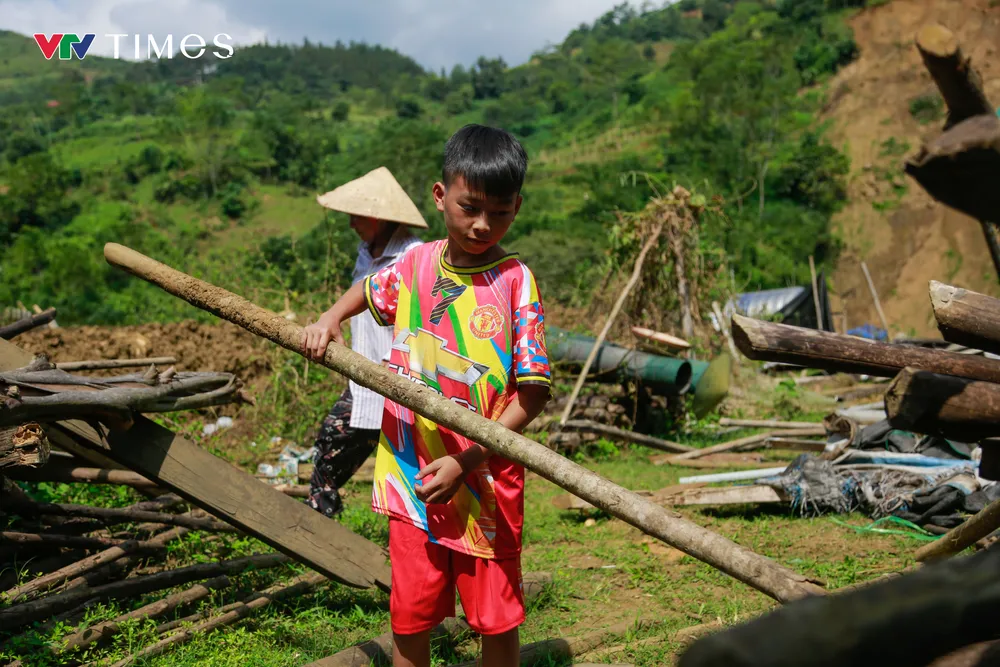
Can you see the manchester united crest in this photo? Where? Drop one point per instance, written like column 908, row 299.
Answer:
column 486, row 322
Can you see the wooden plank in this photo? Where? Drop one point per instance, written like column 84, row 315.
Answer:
column 230, row 494
column 726, row 496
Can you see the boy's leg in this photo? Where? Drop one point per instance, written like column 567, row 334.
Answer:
column 493, row 602
column 423, row 592
column 340, row 451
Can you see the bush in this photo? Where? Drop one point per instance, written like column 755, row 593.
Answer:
column 408, row 107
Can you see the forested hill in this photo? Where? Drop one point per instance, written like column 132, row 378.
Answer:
column 214, row 167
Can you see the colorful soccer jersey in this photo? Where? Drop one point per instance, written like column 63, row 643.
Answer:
column 473, row 335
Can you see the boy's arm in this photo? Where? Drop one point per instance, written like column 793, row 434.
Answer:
column 317, row 336
column 450, row 471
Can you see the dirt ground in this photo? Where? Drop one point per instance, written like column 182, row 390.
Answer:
column 917, row 240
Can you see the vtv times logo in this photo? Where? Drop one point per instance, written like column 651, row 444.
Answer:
column 190, row 46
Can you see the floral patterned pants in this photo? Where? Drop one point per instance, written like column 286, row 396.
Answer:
column 340, row 451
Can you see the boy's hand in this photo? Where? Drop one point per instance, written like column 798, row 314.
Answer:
column 448, row 479
column 317, row 336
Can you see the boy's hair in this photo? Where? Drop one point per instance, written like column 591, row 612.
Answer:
column 490, row 160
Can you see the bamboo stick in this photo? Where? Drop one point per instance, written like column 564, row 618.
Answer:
column 105, row 364
column 757, row 571
column 743, row 443
column 965, row 535
column 874, row 292
column 628, row 436
column 632, row 281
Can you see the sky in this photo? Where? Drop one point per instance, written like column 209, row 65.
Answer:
column 436, row 33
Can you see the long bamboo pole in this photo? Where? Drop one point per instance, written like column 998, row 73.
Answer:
column 636, row 274
column 753, row 569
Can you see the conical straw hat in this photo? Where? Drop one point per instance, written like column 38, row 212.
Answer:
column 377, row 194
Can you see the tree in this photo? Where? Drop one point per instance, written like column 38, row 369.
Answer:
column 488, row 78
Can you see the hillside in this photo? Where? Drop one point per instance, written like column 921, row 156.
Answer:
column 905, row 237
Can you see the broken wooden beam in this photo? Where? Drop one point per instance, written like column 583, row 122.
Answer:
column 959, row 83
column 770, row 341
column 224, row 491
column 107, row 364
column 966, row 317
column 757, row 571
column 956, row 408
column 627, row 436
column 27, row 324
column 23, row 446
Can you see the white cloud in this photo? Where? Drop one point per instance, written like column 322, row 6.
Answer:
column 436, row 33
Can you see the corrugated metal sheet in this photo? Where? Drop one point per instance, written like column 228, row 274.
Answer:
column 769, row 302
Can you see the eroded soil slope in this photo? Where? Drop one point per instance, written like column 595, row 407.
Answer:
column 905, row 237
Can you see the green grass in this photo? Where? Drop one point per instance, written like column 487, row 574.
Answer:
column 605, row 572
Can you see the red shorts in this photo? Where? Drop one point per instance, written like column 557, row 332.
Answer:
column 425, row 576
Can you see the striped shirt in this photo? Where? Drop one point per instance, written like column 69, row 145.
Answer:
column 368, row 338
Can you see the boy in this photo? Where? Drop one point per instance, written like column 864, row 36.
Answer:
column 468, row 320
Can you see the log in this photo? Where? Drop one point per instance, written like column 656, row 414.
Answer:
column 27, row 324
column 225, row 491
column 769, row 341
column 741, row 495
column 963, row 536
column 23, row 446
column 960, row 84
column 65, row 541
column 68, row 473
column 966, row 317
column 632, row 281
column 627, row 436
column 766, row 423
column 907, row 620
column 952, row 407
column 116, row 515
column 107, row 364
column 957, row 166
column 379, row 649
column 28, row 612
column 108, row 629
column 757, row 571
column 743, row 444
column 300, row 586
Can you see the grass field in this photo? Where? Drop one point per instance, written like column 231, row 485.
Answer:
column 605, row 572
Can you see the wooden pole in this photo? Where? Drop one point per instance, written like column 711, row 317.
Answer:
column 744, row 443
column 27, row 324
column 965, row 535
column 878, row 304
column 815, row 286
column 952, row 71
column 966, row 317
column 632, row 281
column 104, row 364
column 628, row 436
column 762, row 573
column 933, row 404
column 769, row 341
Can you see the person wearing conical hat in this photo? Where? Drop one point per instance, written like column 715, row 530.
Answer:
column 382, row 215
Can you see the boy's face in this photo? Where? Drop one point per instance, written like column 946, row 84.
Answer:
column 475, row 222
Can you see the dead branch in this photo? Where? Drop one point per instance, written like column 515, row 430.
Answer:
column 108, row 629
column 959, row 83
column 115, row 515
column 627, row 436
column 299, row 586
column 27, row 324
column 28, row 612
column 106, row 364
